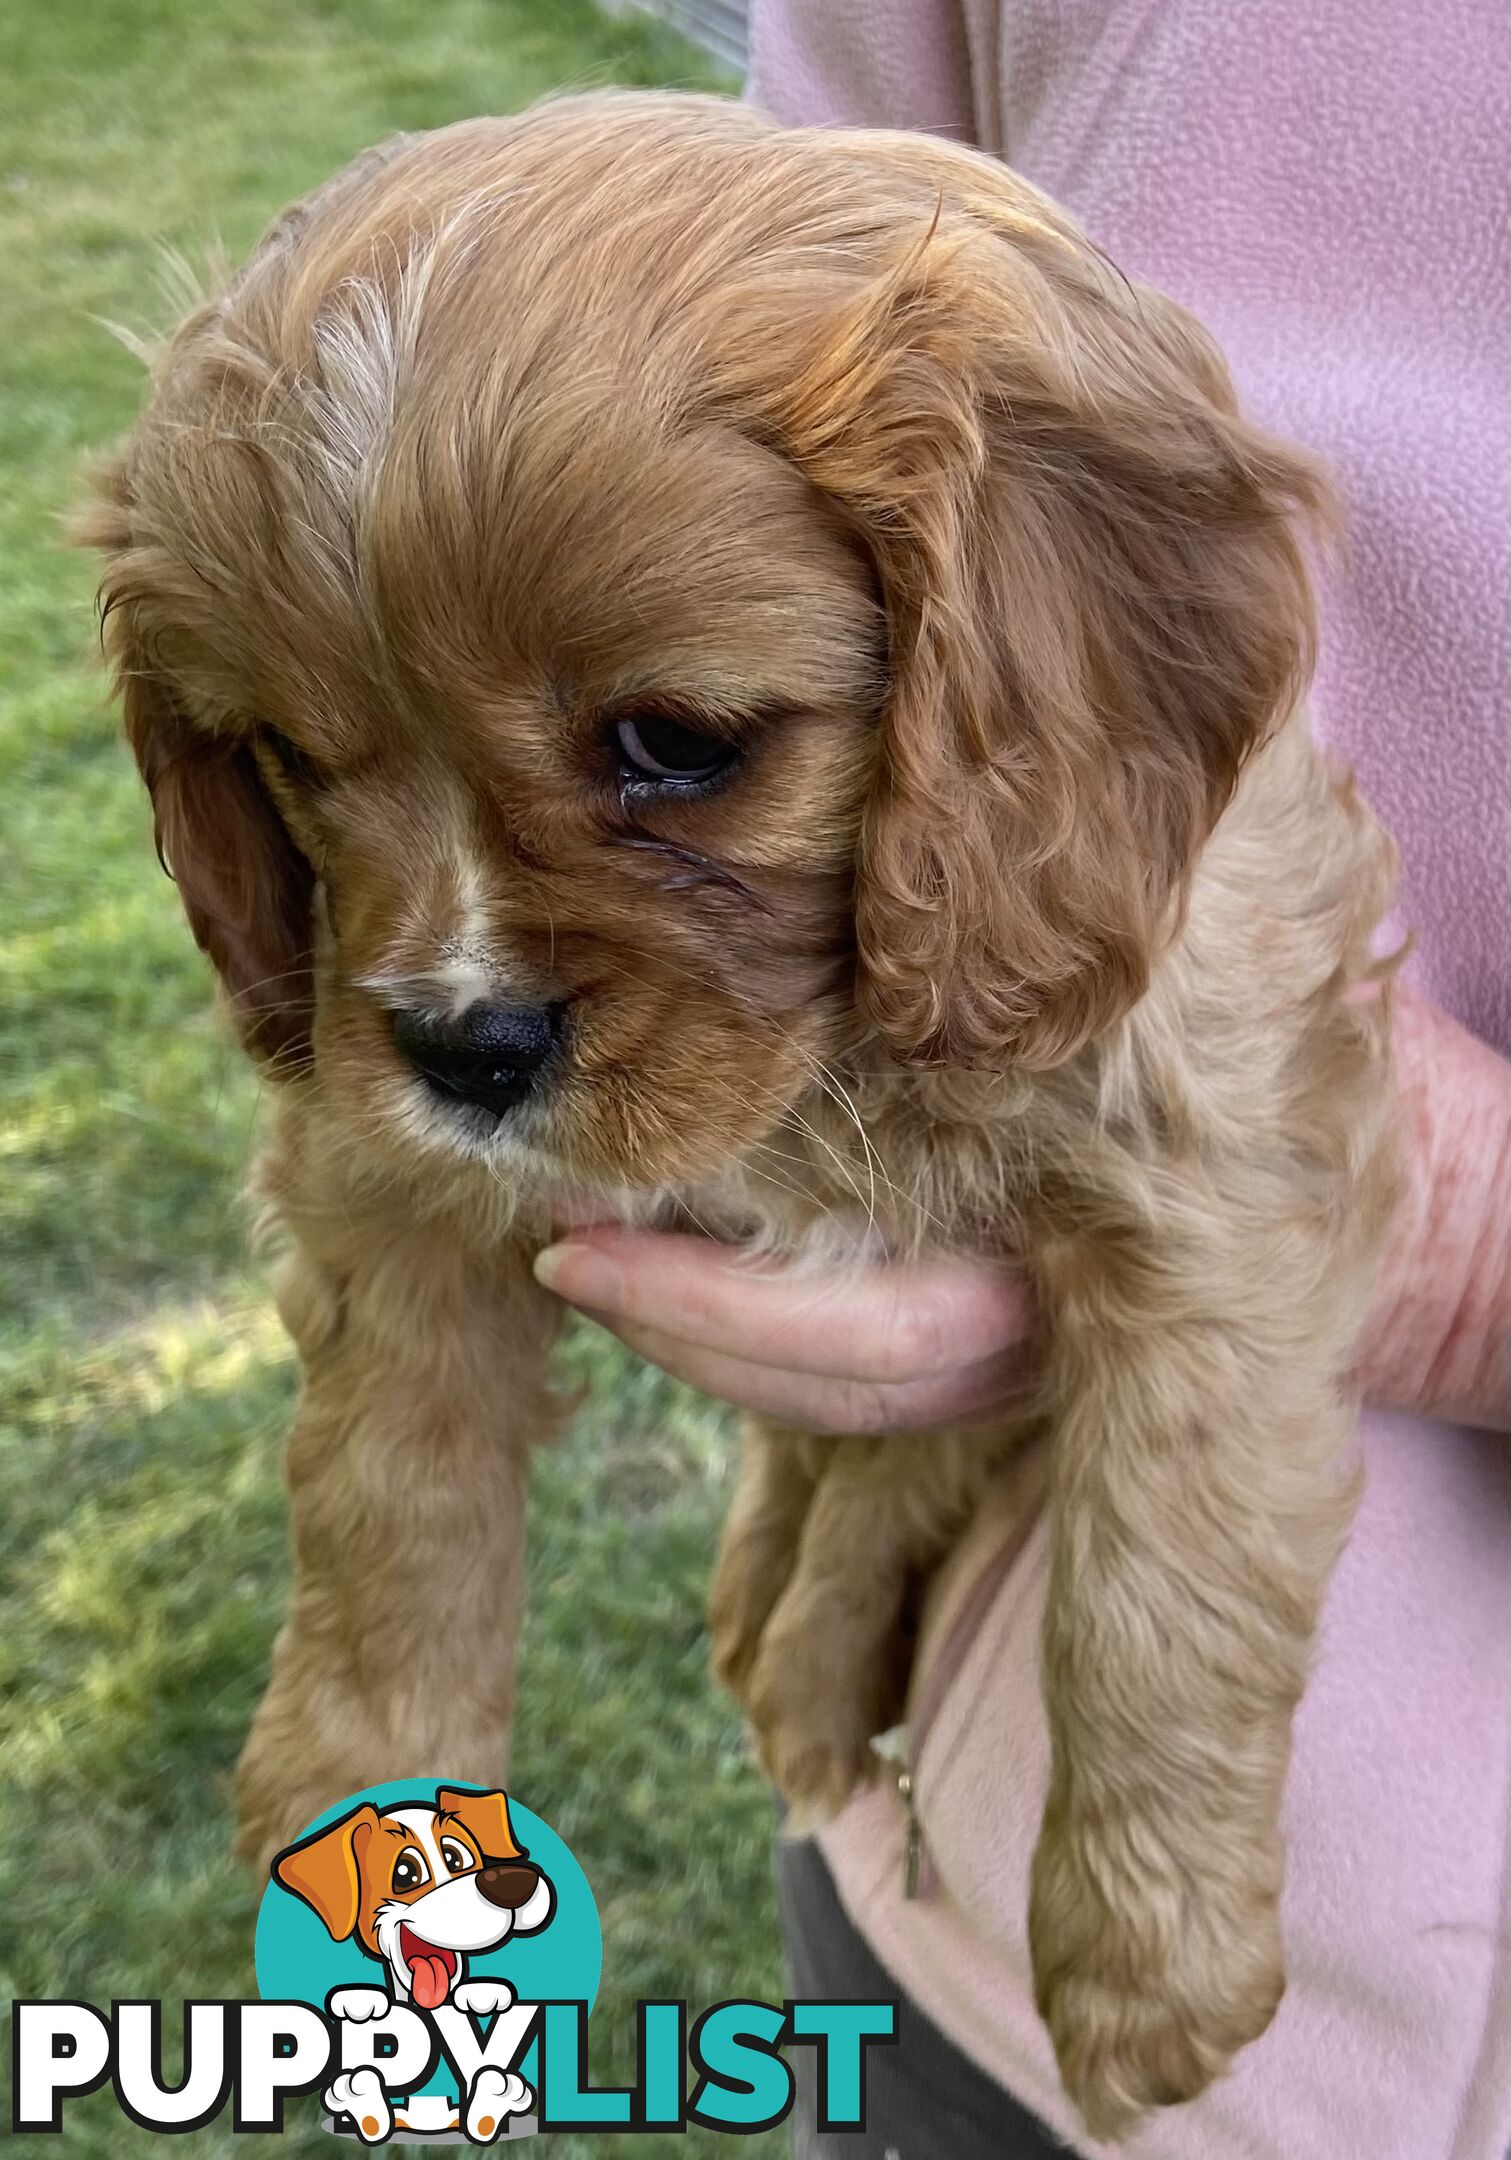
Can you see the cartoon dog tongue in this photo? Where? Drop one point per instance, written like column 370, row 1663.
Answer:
column 429, row 1979
column 430, row 1970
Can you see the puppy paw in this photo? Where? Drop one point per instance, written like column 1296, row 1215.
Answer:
column 357, row 2005
column 1121, row 2054
column 482, row 1998
column 496, row 2095
column 360, row 2094
column 1146, row 2001
column 812, row 1728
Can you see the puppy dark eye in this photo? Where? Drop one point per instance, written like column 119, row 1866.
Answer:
column 456, row 1857
column 295, row 764
column 409, row 1870
column 654, row 746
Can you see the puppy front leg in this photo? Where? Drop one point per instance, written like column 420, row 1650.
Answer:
column 425, row 1387
column 832, row 1666
column 1199, row 1498
column 758, row 1546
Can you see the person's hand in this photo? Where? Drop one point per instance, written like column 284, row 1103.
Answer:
column 878, row 1348
column 890, row 1348
column 1438, row 1338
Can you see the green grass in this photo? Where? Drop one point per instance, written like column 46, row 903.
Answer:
column 144, row 1387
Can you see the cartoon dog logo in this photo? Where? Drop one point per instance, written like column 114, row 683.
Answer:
column 420, row 1886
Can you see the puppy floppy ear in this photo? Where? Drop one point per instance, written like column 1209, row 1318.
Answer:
column 326, row 1870
column 485, row 1816
column 1098, row 607
column 246, row 888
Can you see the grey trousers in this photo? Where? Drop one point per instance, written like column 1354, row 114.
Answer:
column 924, row 2099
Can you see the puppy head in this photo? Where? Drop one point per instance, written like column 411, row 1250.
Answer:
column 621, row 606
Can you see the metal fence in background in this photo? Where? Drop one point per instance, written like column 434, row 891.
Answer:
column 719, row 26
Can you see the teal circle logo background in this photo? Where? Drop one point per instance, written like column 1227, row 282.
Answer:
column 296, row 1960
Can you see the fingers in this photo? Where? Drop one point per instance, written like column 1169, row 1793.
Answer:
column 830, row 1403
column 873, row 1348
column 874, row 1325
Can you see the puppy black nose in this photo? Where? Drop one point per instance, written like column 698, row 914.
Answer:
column 490, row 1055
column 508, row 1883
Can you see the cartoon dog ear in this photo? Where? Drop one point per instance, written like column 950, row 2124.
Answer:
column 485, row 1816
column 326, row 1870
column 1098, row 607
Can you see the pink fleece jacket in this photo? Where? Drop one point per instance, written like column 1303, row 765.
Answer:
column 1325, row 186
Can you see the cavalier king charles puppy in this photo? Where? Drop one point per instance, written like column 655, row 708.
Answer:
column 749, row 676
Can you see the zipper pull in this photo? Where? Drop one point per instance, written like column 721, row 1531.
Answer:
column 914, row 1846
column 892, row 1748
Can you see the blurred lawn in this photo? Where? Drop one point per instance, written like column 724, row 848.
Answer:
column 144, row 1388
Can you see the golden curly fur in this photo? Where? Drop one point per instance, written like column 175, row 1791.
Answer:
column 1026, row 920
